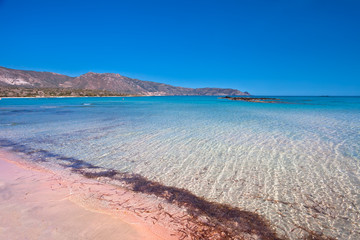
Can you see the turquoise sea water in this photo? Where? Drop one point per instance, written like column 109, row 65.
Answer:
column 295, row 163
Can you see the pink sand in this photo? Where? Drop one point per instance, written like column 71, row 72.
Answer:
column 36, row 203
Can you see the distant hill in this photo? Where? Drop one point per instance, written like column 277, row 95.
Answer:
column 111, row 82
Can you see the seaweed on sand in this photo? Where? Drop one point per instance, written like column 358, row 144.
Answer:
column 210, row 220
column 205, row 220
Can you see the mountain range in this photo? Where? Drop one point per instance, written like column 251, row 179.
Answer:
column 111, row 82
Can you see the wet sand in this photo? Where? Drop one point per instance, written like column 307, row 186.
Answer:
column 36, row 203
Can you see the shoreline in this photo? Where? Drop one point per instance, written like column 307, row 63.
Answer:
column 74, row 97
column 156, row 210
column 118, row 96
column 37, row 203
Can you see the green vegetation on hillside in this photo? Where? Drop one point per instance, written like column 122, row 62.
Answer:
column 54, row 92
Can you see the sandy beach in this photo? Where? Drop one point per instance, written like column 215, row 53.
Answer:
column 39, row 204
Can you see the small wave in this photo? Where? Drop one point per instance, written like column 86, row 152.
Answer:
column 49, row 107
column 9, row 124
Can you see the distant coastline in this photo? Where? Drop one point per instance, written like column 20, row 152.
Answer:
column 21, row 92
column 25, row 83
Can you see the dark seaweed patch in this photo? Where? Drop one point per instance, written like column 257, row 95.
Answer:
column 222, row 221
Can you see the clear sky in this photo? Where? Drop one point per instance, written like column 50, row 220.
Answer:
column 268, row 47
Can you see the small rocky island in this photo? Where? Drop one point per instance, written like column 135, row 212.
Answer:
column 253, row 99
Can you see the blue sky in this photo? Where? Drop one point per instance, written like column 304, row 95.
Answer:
column 279, row 47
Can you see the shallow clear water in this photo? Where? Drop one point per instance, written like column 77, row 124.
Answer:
column 297, row 164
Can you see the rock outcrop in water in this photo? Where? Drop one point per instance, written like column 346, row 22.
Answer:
column 111, row 82
column 253, row 99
